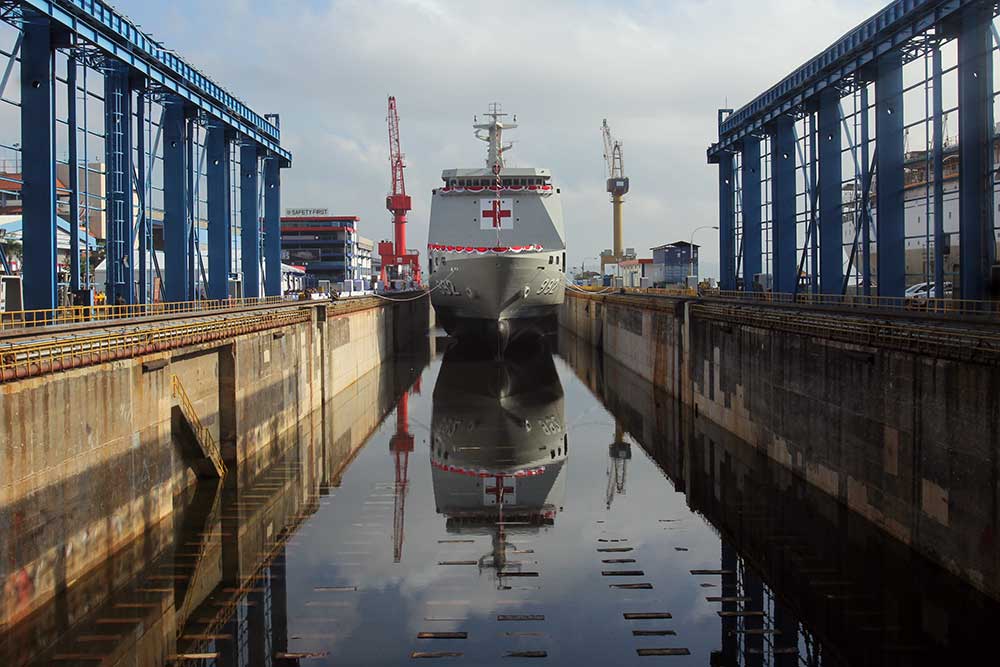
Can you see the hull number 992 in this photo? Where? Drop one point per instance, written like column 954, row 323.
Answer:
column 446, row 287
column 548, row 286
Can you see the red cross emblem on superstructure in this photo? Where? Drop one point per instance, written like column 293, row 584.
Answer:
column 496, row 213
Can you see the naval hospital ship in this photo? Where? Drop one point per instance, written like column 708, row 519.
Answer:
column 496, row 246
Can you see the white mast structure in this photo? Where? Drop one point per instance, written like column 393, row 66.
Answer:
column 492, row 134
column 494, row 157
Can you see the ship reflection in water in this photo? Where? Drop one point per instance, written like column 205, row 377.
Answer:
column 498, row 450
column 666, row 537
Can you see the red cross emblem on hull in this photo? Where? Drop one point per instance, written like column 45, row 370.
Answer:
column 496, row 213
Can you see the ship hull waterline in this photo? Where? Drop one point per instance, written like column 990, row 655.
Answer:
column 498, row 299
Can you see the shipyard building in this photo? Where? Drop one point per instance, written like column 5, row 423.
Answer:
column 327, row 247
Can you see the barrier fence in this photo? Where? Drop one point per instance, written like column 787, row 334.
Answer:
column 990, row 309
column 21, row 319
column 20, row 360
column 909, row 305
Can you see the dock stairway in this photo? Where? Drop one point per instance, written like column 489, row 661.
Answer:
column 213, row 465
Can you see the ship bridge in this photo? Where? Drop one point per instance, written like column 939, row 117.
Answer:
column 509, row 177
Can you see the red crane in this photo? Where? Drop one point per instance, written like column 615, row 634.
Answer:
column 398, row 203
column 401, row 444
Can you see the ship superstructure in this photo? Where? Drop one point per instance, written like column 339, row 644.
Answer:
column 496, row 247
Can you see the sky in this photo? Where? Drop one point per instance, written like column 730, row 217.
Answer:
column 657, row 70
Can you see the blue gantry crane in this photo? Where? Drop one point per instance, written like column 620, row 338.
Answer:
column 919, row 216
column 157, row 175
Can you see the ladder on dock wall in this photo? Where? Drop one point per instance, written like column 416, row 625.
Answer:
column 202, row 435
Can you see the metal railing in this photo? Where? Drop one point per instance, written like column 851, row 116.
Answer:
column 202, row 434
column 651, row 291
column 21, row 319
column 909, row 305
column 662, row 291
column 984, row 309
column 36, row 357
column 961, row 341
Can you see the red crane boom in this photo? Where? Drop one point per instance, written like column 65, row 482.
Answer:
column 398, row 203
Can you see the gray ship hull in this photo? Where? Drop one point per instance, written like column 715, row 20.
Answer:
column 498, row 297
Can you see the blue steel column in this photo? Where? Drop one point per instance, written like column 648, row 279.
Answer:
column 890, row 231
column 220, row 259
column 731, row 591
column 74, row 175
column 977, row 246
column 751, row 210
column 140, row 170
column 249, row 220
column 753, row 590
column 866, row 221
column 118, row 183
column 831, row 218
column 38, row 153
column 175, row 201
column 272, row 226
column 938, row 163
column 727, row 223
column 783, row 265
column 189, row 204
column 812, row 237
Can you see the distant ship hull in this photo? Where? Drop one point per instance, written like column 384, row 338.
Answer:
column 498, row 297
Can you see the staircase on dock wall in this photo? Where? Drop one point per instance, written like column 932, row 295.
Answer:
column 212, row 455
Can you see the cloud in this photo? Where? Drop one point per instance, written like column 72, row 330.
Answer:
column 656, row 70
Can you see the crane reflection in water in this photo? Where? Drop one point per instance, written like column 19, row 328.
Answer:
column 498, row 449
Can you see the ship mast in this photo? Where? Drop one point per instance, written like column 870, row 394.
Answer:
column 492, row 133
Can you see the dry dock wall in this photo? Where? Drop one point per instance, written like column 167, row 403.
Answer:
column 825, row 567
column 255, row 512
column 905, row 434
column 93, row 458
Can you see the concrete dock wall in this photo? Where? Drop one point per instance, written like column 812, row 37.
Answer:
column 234, row 527
column 826, row 567
column 906, row 434
column 646, row 339
column 94, row 457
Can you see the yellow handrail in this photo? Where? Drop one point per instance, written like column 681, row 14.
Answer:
column 912, row 304
column 20, row 319
column 204, row 435
column 22, row 359
column 988, row 309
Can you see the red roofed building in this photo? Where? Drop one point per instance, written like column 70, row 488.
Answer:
column 10, row 193
column 91, row 191
column 634, row 270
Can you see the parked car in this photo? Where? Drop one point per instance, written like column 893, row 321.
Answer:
column 917, row 290
column 927, row 291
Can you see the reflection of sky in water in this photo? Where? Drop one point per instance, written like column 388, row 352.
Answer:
column 349, row 543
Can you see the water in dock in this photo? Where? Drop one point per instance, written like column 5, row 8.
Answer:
column 551, row 507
